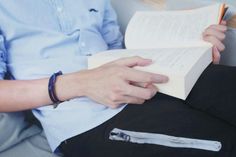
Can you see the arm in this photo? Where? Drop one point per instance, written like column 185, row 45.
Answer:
column 22, row 95
column 215, row 34
column 19, row 95
column 116, row 83
column 113, row 86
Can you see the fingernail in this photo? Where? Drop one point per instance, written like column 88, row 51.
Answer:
column 145, row 62
column 165, row 79
column 162, row 79
column 149, row 60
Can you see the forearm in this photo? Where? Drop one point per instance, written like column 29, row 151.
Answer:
column 112, row 85
column 22, row 95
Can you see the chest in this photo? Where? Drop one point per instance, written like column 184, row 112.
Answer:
column 53, row 15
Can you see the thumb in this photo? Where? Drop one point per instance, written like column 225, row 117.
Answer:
column 216, row 55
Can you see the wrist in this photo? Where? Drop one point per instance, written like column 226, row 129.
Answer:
column 70, row 86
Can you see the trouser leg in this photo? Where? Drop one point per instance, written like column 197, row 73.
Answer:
column 215, row 93
column 163, row 115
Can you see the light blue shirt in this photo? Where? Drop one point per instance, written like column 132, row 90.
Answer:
column 40, row 37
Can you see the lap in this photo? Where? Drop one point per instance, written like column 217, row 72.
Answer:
column 215, row 93
column 161, row 115
column 170, row 116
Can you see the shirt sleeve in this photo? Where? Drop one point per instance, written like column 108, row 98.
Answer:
column 2, row 57
column 111, row 30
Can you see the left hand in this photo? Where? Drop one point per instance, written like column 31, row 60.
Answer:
column 215, row 34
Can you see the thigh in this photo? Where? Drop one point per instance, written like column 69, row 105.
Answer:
column 161, row 115
column 215, row 93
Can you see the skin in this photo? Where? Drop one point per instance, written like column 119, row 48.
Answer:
column 215, row 34
column 116, row 82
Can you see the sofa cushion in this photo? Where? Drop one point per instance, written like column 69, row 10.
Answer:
column 34, row 146
column 14, row 129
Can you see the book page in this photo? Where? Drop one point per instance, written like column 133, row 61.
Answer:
column 155, row 29
column 165, row 60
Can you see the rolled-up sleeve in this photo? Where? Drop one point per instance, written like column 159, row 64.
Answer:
column 111, row 30
column 3, row 57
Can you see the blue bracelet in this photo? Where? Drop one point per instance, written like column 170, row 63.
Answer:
column 51, row 89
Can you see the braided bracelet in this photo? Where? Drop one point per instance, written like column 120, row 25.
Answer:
column 51, row 89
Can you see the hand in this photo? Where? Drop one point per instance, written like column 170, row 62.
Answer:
column 118, row 82
column 215, row 34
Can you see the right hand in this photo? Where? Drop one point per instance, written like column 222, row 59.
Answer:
column 215, row 34
column 117, row 82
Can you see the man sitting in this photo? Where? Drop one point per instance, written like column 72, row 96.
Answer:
column 41, row 38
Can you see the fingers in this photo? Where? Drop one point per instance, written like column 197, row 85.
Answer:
column 216, row 42
column 133, row 61
column 140, row 84
column 223, row 22
column 221, row 28
column 143, row 93
column 220, row 35
column 133, row 95
column 216, row 55
column 215, row 34
column 124, row 84
column 217, row 31
column 131, row 100
column 134, row 75
column 125, row 100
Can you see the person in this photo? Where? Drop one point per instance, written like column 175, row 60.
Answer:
column 40, row 38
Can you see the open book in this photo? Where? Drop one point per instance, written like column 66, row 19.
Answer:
column 173, row 40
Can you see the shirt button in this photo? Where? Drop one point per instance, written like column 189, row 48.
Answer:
column 59, row 9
